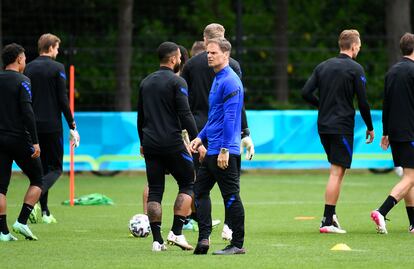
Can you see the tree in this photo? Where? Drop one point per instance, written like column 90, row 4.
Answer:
column 397, row 23
column 281, row 51
column 124, row 54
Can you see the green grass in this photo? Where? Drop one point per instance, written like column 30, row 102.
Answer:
column 97, row 236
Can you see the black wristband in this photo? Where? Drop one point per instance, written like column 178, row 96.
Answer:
column 245, row 132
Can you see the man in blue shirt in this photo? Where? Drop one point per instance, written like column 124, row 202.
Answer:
column 222, row 163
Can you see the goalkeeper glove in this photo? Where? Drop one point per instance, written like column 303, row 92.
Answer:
column 247, row 143
column 74, row 138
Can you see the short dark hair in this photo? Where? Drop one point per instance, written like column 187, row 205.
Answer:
column 407, row 44
column 46, row 41
column 224, row 44
column 166, row 50
column 10, row 53
column 184, row 56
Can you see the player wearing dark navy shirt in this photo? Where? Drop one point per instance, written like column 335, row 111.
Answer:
column 18, row 139
column 50, row 100
column 338, row 80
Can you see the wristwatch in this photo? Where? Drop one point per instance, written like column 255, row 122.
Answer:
column 224, row 151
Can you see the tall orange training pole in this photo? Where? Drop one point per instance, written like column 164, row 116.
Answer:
column 72, row 153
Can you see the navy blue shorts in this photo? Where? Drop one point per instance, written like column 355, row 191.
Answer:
column 338, row 148
column 403, row 154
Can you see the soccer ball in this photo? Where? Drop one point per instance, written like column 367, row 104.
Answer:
column 399, row 171
column 139, row 225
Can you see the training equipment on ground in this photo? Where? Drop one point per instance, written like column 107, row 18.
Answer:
column 179, row 241
column 227, row 233
column 139, row 225
column 74, row 138
column 91, row 199
column 379, row 221
column 341, row 247
column 24, row 230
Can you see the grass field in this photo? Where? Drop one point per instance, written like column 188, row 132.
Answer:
column 97, row 236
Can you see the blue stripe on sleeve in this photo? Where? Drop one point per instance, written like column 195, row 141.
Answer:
column 63, row 75
column 184, row 90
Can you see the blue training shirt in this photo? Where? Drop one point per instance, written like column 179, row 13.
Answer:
column 223, row 126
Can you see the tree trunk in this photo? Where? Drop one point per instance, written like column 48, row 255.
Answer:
column 397, row 23
column 281, row 51
column 123, row 56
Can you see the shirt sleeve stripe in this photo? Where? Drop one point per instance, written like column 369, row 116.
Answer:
column 231, row 95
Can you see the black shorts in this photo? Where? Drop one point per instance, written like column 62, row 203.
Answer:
column 18, row 150
column 403, row 154
column 51, row 146
column 227, row 179
column 179, row 164
column 338, row 148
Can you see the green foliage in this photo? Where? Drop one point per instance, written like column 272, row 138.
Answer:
column 89, row 28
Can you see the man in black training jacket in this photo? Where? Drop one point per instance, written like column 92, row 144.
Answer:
column 163, row 112
column 338, row 80
column 18, row 139
column 398, row 131
column 50, row 100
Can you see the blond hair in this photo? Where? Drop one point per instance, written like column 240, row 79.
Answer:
column 213, row 30
column 347, row 38
column 46, row 41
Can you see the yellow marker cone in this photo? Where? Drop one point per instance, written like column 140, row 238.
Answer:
column 304, row 218
column 343, row 247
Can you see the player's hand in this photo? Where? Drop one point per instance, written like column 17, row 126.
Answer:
column 195, row 144
column 141, row 151
column 202, row 153
column 186, row 138
column 36, row 153
column 247, row 143
column 369, row 136
column 223, row 160
column 74, row 138
column 385, row 143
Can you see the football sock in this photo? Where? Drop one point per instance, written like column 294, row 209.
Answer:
column 156, row 231
column 24, row 213
column 410, row 214
column 389, row 203
column 178, row 224
column 327, row 215
column 3, row 224
column 43, row 203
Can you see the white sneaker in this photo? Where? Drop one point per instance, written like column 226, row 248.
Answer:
column 331, row 229
column 379, row 221
column 156, row 246
column 178, row 240
column 227, row 233
column 335, row 222
column 7, row 237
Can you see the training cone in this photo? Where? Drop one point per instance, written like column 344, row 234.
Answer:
column 343, row 247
